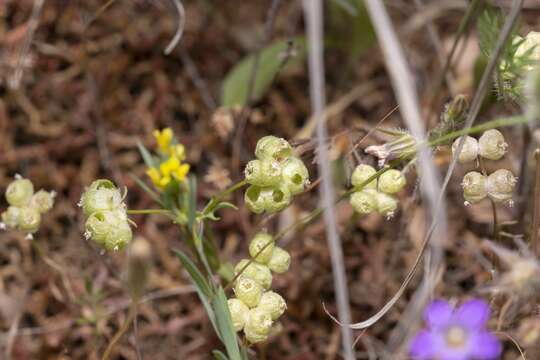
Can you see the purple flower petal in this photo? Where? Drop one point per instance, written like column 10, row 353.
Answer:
column 438, row 314
column 472, row 314
column 423, row 346
column 485, row 346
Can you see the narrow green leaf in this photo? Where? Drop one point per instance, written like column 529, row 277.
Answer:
column 228, row 335
column 147, row 189
column 271, row 61
column 192, row 201
column 219, row 355
column 147, row 157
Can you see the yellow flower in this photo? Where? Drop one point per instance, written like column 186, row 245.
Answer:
column 169, row 166
column 154, row 175
column 177, row 151
column 163, row 138
column 181, row 172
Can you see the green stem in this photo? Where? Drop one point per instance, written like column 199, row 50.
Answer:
column 217, row 198
column 148, row 211
column 509, row 121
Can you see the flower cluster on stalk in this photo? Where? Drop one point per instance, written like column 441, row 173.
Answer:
column 256, row 307
column 25, row 207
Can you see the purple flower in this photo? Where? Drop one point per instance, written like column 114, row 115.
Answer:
column 456, row 334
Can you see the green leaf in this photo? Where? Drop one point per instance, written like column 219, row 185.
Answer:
column 225, row 325
column 351, row 30
column 147, row 157
column 201, row 286
column 222, row 205
column 145, row 187
column 272, row 59
column 219, row 355
column 192, row 201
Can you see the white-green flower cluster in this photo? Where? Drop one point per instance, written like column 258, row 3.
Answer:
column 256, row 308
column 107, row 222
column 499, row 185
column 275, row 176
column 377, row 195
column 25, row 206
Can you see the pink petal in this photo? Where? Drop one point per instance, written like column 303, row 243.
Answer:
column 423, row 346
column 485, row 346
column 472, row 314
column 438, row 314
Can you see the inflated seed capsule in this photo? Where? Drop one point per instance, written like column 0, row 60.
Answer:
column 474, row 187
column 258, row 272
column 276, row 198
column 19, row 192
column 500, row 185
column 109, row 228
column 273, row 148
column 491, row 145
column 43, row 201
column 248, row 290
column 254, row 200
column 11, row 216
column 263, row 172
column 386, row 204
column 273, row 303
column 29, row 219
column 469, row 152
column 280, row 260
column 261, row 241
column 391, row 181
column 239, row 313
column 101, row 195
column 362, row 173
column 364, row 201
column 258, row 325
column 295, row 175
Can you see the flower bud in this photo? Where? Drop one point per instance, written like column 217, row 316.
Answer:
column 258, row 325
column 248, row 290
column 43, row 201
column 273, row 148
column 254, row 199
column 11, row 217
column 263, row 173
column 138, row 271
column 295, row 175
column 258, row 272
column 391, row 181
column 29, row 219
column 364, row 201
column 474, row 187
column 273, row 304
column 276, row 199
column 101, row 195
column 362, row 173
column 19, row 192
column 239, row 313
column 261, row 241
column 109, row 228
column 280, row 260
column 386, row 204
column 500, row 185
column 469, row 152
column 491, row 145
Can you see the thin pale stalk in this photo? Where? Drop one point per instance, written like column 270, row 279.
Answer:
column 535, row 246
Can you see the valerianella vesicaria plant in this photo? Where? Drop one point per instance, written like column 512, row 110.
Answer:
column 456, row 334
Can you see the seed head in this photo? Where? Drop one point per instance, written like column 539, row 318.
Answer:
column 491, row 145
column 19, row 192
column 273, row 148
column 109, row 228
column 362, row 173
column 258, row 272
column 280, row 260
column 254, row 199
column 500, row 185
column 261, row 241
column 295, row 175
column 239, row 313
column 29, row 219
column 364, row 201
column 139, row 264
column 248, row 290
column 469, row 152
column 258, row 325
column 474, row 187
column 100, row 196
column 263, row 172
column 386, row 204
column 11, row 217
column 391, row 181
column 273, row 304
column 43, row 201
column 276, row 198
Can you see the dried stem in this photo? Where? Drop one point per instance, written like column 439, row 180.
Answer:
column 535, row 246
column 125, row 326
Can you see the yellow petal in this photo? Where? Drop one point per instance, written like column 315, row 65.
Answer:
column 153, row 174
column 163, row 139
column 178, row 151
column 181, row 172
column 164, row 181
column 169, row 166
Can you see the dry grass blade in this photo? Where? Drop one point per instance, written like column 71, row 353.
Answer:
column 180, row 29
column 314, row 20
